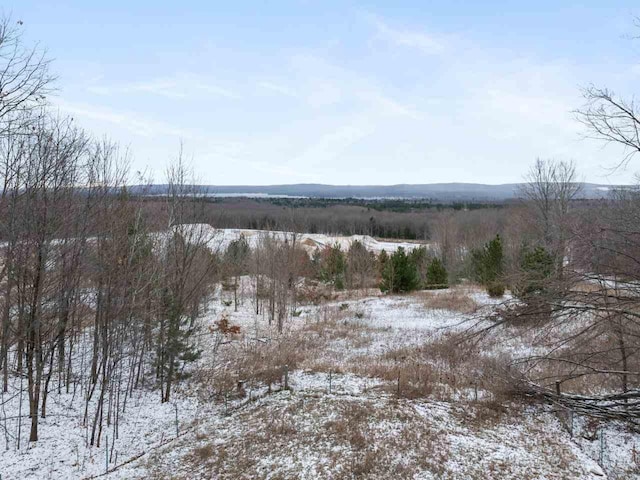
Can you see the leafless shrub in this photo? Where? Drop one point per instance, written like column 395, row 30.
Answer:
column 315, row 293
column 444, row 369
column 454, row 300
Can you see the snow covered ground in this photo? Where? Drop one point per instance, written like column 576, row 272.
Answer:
column 341, row 417
column 219, row 239
column 62, row 452
column 356, row 431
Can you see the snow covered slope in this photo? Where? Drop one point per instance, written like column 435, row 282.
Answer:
column 219, row 239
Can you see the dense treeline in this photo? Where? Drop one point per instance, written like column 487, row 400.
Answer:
column 335, row 217
column 390, row 204
column 385, row 218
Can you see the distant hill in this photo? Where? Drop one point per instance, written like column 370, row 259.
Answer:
column 446, row 192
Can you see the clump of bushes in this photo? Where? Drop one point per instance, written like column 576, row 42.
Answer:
column 402, row 272
column 496, row 289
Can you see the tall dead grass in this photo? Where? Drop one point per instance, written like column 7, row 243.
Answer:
column 258, row 362
column 444, row 369
column 455, row 300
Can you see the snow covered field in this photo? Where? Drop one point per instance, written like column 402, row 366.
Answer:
column 347, row 413
column 357, row 431
column 220, row 238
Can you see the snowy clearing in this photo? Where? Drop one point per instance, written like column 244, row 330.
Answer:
column 219, row 239
column 342, row 416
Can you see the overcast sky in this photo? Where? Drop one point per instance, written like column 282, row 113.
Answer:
column 341, row 92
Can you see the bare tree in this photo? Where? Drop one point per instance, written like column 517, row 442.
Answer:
column 551, row 186
column 50, row 170
column 585, row 322
column 25, row 80
column 189, row 267
column 24, row 83
column 612, row 119
column 235, row 263
column 361, row 266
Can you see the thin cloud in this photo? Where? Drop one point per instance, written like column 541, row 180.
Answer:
column 130, row 121
column 336, row 142
column 388, row 104
column 324, row 84
column 424, row 42
column 277, row 88
column 179, row 86
column 487, row 109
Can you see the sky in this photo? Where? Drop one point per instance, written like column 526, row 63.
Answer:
column 340, row 92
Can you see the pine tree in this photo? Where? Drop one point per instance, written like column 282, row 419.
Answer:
column 383, row 259
column 436, row 274
column 422, row 260
column 333, row 266
column 536, row 267
column 487, row 265
column 400, row 274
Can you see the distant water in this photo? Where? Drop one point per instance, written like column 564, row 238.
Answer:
column 229, row 195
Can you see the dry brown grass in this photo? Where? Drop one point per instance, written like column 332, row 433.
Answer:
column 331, row 437
column 442, row 369
column 357, row 293
column 203, row 453
column 256, row 363
column 339, row 327
column 314, row 293
column 352, row 437
column 456, row 300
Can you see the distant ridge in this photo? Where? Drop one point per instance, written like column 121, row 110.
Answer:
column 446, row 192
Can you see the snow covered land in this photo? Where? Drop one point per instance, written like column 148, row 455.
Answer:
column 218, row 239
column 346, row 411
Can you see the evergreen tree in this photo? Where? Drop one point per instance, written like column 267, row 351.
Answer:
column 235, row 258
column 184, row 285
column 487, row 266
column 494, row 259
column 436, row 274
column 487, row 262
column 333, row 266
column 536, row 268
column 237, row 251
column 399, row 274
column 422, row 260
column 316, row 263
column 383, row 258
